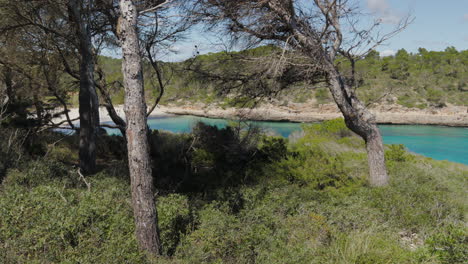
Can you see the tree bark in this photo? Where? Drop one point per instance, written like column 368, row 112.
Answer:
column 362, row 122
column 376, row 159
column 8, row 79
column 357, row 117
column 88, row 99
column 144, row 208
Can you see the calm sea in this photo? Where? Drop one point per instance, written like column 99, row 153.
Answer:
column 437, row 142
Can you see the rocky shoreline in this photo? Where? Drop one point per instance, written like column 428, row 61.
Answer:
column 456, row 116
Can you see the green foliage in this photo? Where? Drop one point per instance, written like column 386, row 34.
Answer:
column 305, row 201
column 313, row 168
column 335, row 127
column 322, row 95
column 426, row 78
column 219, row 236
column 51, row 223
column 238, row 102
column 435, row 97
column 223, row 155
column 309, row 162
column 63, row 154
column 174, row 218
column 407, row 100
column 260, row 235
column 369, row 247
column 273, row 148
column 11, row 150
column 450, row 244
column 397, row 153
column 36, row 172
column 423, row 79
column 209, row 157
column 399, row 68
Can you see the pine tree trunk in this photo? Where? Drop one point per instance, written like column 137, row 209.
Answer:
column 8, row 80
column 144, row 209
column 376, row 158
column 88, row 99
column 362, row 122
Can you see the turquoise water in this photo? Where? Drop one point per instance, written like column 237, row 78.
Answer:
column 437, row 142
column 442, row 143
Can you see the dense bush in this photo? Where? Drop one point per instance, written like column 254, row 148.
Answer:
column 19, row 145
column 292, row 202
column 211, row 158
column 39, row 171
column 397, row 153
column 450, row 245
column 175, row 220
column 11, row 149
column 52, row 223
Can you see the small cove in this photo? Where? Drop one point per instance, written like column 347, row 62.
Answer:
column 437, row 142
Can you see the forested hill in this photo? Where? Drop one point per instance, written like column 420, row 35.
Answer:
column 423, row 79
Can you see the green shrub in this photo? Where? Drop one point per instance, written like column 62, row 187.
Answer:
column 397, row 153
column 296, row 239
column 219, row 238
column 50, row 223
column 62, row 153
column 436, row 97
column 313, row 168
column 270, row 229
column 38, row 172
column 322, row 95
column 369, row 246
column 332, row 136
column 310, row 161
column 418, row 200
column 407, row 101
column 111, row 147
column 13, row 151
column 335, row 127
column 450, row 244
column 174, row 217
column 268, row 201
column 273, row 149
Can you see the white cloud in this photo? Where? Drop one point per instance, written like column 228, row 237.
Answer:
column 383, row 11
column 184, row 50
column 175, row 49
column 378, row 5
column 387, row 53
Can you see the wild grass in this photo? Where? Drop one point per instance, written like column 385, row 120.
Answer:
column 305, row 201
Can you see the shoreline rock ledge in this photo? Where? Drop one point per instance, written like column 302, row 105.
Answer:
column 456, row 116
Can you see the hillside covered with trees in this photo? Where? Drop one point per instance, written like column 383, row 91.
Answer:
column 423, row 79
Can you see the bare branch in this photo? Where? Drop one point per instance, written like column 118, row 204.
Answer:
column 88, row 185
column 161, row 4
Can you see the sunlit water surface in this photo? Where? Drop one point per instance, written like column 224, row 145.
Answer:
column 438, row 142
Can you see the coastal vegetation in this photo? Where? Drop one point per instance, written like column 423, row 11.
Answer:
column 333, row 193
column 422, row 80
column 268, row 200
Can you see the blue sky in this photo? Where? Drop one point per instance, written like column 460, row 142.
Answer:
column 437, row 25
